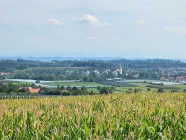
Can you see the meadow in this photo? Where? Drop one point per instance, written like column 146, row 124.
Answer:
column 136, row 85
column 114, row 116
column 74, row 84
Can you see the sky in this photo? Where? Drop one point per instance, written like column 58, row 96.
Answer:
column 93, row 28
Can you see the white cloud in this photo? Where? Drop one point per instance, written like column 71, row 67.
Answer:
column 93, row 20
column 55, row 21
column 140, row 22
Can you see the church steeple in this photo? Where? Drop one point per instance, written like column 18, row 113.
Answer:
column 121, row 70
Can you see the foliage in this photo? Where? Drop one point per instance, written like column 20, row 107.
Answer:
column 72, row 69
column 162, row 86
column 160, row 90
column 62, row 88
column 8, row 88
column 121, row 116
column 118, row 84
column 69, row 91
column 106, row 90
column 148, row 89
column 137, row 90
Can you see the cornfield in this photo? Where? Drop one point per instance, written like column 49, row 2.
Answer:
column 117, row 116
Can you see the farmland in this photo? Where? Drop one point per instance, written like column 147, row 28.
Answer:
column 114, row 116
column 125, row 86
column 73, row 84
column 128, row 86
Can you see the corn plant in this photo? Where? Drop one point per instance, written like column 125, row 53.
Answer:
column 118, row 116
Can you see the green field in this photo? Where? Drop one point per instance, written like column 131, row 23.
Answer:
column 153, row 88
column 56, row 68
column 115, row 116
column 142, row 86
column 74, row 84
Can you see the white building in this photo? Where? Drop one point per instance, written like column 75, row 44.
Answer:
column 96, row 71
column 115, row 73
column 120, row 70
column 115, row 79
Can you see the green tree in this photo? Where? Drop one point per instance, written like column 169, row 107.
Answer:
column 106, row 90
column 62, row 88
column 160, row 90
column 69, row 88
column 58, row 86
column 148, row 89
column 83, row 88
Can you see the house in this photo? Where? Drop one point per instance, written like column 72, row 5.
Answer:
column 33, row 90
column 43, row 90
column 180, row 78
column 109, row 79
column 120, row 70
column 87, row 72
column 117, row 79
column 136, row 76
column 171, row 79
column 114, row 79
column 4, row 73
column 163, row 79
column 96, row 71
column 115, row 73
column 23, row 90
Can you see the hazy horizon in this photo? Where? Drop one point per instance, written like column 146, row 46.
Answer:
column 99, row 28
column 61, row 58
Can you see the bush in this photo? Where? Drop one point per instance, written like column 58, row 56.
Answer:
column 174, row 90
column 148, row 89
column 184, row 90
column 62, row 88
column 128, row 91
column 160, row 90
column 66, row 93
column 136, row 90
column 106, row 90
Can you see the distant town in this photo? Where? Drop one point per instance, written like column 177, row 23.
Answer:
column 80, row 77
column 94, row 70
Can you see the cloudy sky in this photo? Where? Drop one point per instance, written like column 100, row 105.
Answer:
column 125, row 28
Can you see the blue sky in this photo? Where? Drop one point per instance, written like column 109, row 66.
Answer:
column 118, row 28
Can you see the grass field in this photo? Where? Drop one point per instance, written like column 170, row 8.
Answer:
column 142, row 86
column 117, row 116
column 153, row 88
column 56, row 68
column 73, row 84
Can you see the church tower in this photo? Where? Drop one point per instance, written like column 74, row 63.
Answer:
column 121, row 70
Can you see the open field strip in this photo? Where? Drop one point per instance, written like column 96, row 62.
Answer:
column 117, row 116
column 74, row 84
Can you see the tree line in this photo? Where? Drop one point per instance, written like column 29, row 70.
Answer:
column 12, row 88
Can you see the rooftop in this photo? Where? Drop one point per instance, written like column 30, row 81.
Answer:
column 34, row 90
